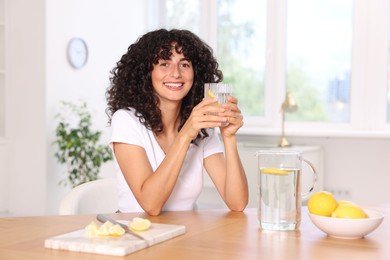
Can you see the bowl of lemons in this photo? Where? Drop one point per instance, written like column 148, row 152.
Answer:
column 341, row 219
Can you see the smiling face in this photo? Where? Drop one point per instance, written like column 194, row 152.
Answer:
column 172, row 78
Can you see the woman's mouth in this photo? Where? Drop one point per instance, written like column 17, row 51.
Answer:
column 174, row 86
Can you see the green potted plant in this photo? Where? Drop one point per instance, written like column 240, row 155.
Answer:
column 78, row 146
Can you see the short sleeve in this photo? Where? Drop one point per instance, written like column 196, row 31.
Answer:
column 126, row 128
column 212, row 143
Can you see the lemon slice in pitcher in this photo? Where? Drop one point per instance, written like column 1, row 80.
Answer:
column 274, row 171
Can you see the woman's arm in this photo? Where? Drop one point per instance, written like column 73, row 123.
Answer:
column 227, row 172
column 151, row 189
column 228, row 175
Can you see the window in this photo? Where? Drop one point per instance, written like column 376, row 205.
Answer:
column 318, row 71
column 182, row 14
column 241, row 34
column 332, row 56
column 239, row 42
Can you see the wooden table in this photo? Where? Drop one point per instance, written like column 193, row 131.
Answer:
column 210, row 234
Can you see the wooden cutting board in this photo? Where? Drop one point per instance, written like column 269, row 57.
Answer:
column 111, row 245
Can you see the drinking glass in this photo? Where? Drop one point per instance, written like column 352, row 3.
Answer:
column 219, row 90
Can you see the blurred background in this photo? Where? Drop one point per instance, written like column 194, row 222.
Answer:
column 332, row 56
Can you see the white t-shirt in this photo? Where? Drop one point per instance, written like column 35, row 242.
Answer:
column 126, row 128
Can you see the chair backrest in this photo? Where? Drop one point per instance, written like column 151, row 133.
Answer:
column 99, row 196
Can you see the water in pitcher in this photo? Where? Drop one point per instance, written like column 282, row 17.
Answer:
column 279, row 199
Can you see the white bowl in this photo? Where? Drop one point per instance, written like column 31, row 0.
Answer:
column 348, row 228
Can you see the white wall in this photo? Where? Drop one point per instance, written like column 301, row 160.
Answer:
column 3, row 178
column 39, row 77
column 26, row 107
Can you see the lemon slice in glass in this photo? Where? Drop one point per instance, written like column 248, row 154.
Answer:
column 210, row 93
column 274, row 171
column 140, row 224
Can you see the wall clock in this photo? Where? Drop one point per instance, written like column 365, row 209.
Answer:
column 77, row 53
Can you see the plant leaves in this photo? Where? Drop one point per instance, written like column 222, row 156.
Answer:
column 78, row 146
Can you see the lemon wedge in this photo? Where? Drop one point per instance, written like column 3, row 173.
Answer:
column 140, row 224
column 274, row 171
column 104, row 230
column 91, row 230
column 210, row 93
column 116, row 230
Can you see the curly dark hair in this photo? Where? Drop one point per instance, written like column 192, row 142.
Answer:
column 131, row 84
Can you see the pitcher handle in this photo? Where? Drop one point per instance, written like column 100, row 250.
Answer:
column 304, row 196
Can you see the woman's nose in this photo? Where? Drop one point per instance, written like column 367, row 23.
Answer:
column 176, row 71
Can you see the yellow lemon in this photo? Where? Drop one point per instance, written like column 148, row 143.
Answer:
column 344, row 202
column 274, row 171
column 349, row 211
column 140, row 224
column 91, row 230
column 116, row 230
column 322, row 203
column 104, row 230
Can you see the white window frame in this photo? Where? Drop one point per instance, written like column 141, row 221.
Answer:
column 369, row 70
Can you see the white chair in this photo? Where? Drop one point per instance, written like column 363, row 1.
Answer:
column 99, row 196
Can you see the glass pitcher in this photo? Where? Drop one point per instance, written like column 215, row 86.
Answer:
column 279, row 189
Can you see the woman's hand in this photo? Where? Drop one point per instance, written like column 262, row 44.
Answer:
column 206, row 114
column 233, row 115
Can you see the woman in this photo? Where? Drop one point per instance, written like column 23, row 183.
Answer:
column 162, row 130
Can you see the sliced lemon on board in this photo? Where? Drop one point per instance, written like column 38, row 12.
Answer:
column 116, row 230
column 91, row 230
column 140, row 224
column 104, row 230
column 274, row 171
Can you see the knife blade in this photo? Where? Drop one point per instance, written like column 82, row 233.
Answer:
column 103, row 218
